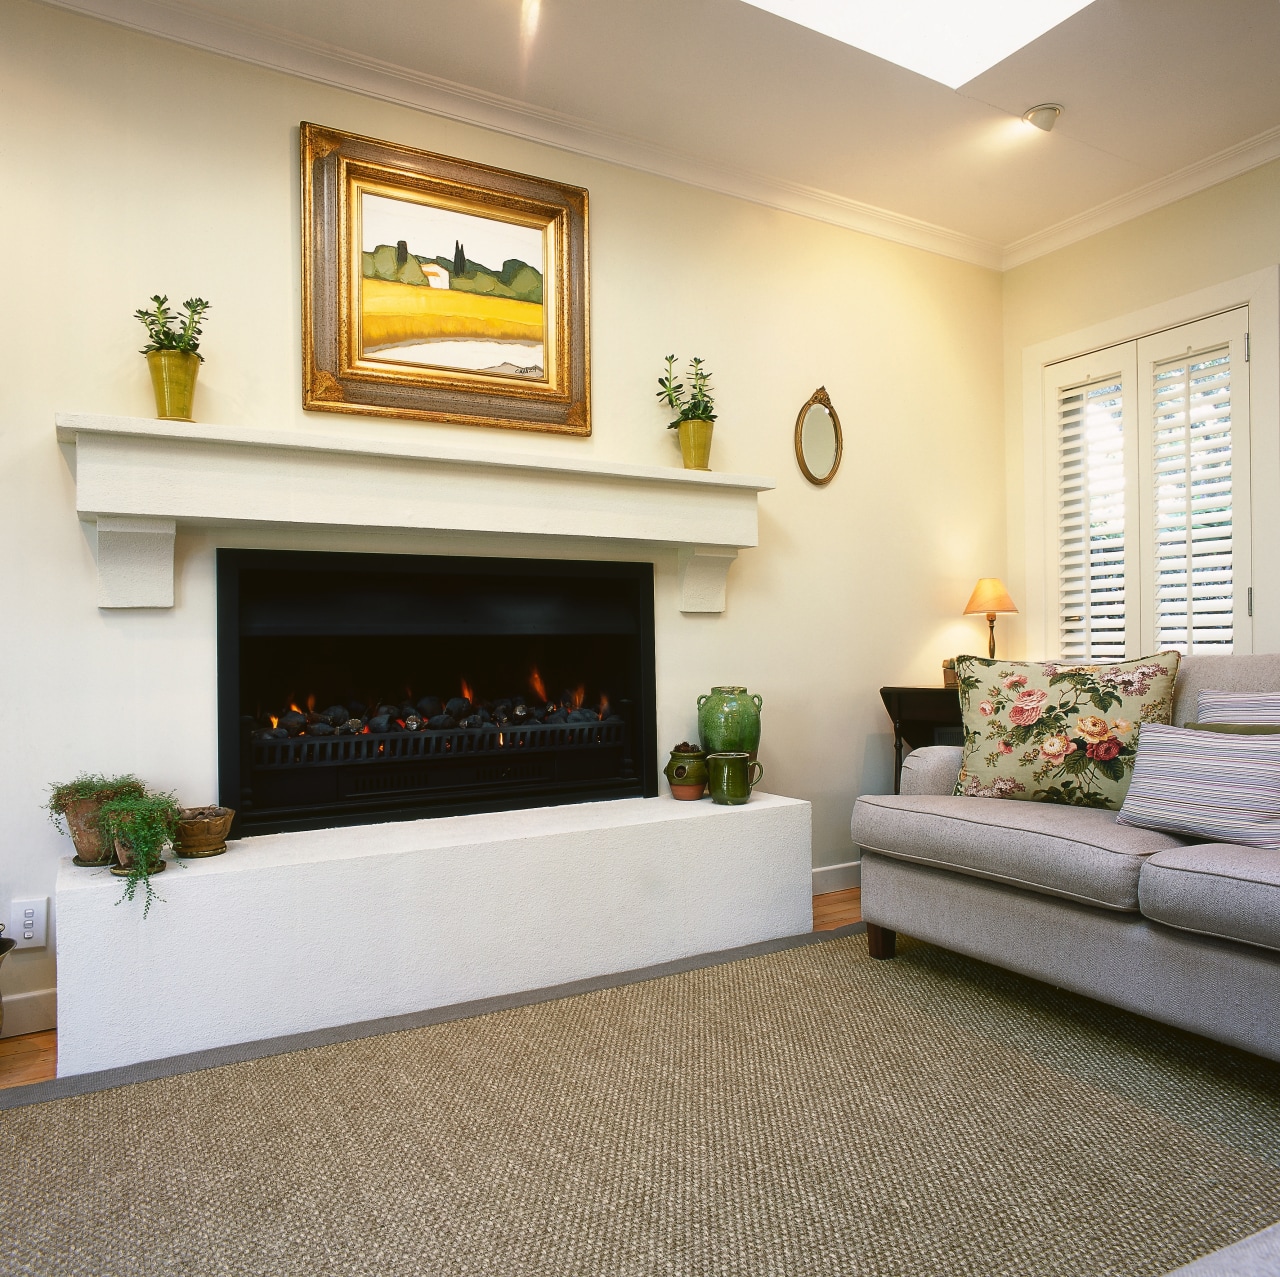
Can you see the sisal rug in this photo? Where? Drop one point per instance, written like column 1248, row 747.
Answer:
column 804, row 1112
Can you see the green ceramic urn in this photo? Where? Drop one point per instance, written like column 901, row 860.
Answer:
column 729, row 721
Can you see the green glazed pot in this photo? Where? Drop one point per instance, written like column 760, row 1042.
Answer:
column 729, row 721
column 687, row 774
column 173, row 378
column 695, row 443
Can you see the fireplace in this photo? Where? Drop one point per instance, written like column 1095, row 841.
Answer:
column 355, row 688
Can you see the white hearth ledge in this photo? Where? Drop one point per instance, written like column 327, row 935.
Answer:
column 289, row 933
column 139, row 479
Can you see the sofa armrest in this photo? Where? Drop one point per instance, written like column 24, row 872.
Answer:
column 932, row 769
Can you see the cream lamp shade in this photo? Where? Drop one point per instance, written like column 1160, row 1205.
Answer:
column 989, row 597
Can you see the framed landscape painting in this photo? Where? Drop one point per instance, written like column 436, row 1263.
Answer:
column 440, row 290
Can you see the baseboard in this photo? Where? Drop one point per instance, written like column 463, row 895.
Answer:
column 837, row 877
column 30, row 1012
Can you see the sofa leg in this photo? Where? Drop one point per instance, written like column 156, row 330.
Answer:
column 881, row 942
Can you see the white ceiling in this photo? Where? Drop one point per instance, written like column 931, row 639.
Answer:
column 1160, row 97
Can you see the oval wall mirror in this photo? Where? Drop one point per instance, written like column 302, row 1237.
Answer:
column 819, row 443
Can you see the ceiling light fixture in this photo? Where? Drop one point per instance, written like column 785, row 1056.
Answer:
column 1044, row 116
column 949, row 42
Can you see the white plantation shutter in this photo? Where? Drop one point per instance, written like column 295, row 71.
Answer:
column 1091, row 610
column 1095, row 458
column 1150, row 468
column 1195, row 439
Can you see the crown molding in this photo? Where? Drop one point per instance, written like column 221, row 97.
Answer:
column 310, row 59
column 1249, row 154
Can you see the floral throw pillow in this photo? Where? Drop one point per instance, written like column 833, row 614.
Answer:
column 1058, row 733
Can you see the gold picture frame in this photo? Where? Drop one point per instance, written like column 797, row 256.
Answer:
column 396, row 322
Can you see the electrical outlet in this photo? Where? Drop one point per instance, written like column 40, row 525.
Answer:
column 29, row 922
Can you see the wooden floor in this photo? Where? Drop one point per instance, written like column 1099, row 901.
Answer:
column 33, row 1057
column 837, row 909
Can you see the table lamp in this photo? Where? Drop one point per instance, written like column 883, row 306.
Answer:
column 989, row 596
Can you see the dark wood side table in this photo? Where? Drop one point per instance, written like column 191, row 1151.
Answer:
column 921, row 716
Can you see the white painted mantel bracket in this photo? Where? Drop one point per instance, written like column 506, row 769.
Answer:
column 141, row 479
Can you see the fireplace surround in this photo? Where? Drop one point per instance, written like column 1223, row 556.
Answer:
column 355, row 688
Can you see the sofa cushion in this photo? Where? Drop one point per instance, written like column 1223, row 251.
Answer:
column 1209, row 786
column 1237, row 707
column 1057, row 732
column 1074, row 852
column 1215, row 889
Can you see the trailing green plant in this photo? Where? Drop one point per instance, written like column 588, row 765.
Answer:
column 144, row 825
column 89, row 785
column 691, row 404
column 168, row 330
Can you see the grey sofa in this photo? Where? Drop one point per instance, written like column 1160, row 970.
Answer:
column 1186, row 934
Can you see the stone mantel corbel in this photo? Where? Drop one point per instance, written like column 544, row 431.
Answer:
column 140, row 479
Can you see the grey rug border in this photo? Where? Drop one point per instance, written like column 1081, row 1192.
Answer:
column 196, row 1061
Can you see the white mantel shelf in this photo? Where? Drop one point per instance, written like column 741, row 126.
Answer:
column 139, row 479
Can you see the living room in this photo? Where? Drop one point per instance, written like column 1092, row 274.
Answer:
column 799, row 214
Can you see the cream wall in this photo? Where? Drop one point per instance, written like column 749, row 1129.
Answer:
column 133, row 166
column 1218, row 235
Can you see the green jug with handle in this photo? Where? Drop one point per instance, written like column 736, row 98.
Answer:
column 729, row 721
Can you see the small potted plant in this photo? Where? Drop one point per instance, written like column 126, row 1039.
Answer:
column 172, row 353
column 76, row 807
column 694, row 409
column 140, row 827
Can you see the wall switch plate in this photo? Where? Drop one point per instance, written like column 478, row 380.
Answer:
column 28, row 922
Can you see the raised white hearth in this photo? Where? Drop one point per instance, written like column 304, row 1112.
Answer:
column 140, row 479
column 295, row 932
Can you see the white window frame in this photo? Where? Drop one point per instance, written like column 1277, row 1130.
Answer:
column 1260, row 291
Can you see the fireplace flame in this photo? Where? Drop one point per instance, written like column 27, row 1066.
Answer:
column 467, row 692
column 294, row 707
column 603, row 708
column 538, row 686
column 275, row 722
column 579, row 695
column 311, row 703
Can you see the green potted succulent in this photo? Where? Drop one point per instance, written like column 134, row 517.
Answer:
column 76, row 805
column 173, row 353
column 694, row 409
column 140, row 828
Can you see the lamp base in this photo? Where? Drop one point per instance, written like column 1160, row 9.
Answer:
column 991, row 635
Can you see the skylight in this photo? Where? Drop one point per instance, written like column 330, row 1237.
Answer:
column 947, row 40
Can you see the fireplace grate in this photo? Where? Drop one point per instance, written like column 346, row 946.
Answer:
column 405, row 746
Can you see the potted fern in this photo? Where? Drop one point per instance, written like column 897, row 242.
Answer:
column 140, row 827
column 694, row 409
column 173, row 353
column 76, row 806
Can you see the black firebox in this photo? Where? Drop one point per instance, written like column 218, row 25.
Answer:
column 355, row 688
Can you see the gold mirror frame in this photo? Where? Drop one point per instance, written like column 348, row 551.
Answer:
column 821, row 397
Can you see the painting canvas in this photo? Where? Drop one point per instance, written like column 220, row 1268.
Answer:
column 447, row 289
column 441, row 290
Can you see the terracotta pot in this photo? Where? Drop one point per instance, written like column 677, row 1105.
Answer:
column 695, row 444
column 124, row 854
column 173, row 377
column 202, row 831
column 687, row 774
column 82, row 822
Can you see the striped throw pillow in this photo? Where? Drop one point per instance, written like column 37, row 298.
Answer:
column 1215, row 786
column 1238, row 707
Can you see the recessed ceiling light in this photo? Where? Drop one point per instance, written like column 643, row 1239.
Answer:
column 1044, row 116
column 947, row 41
